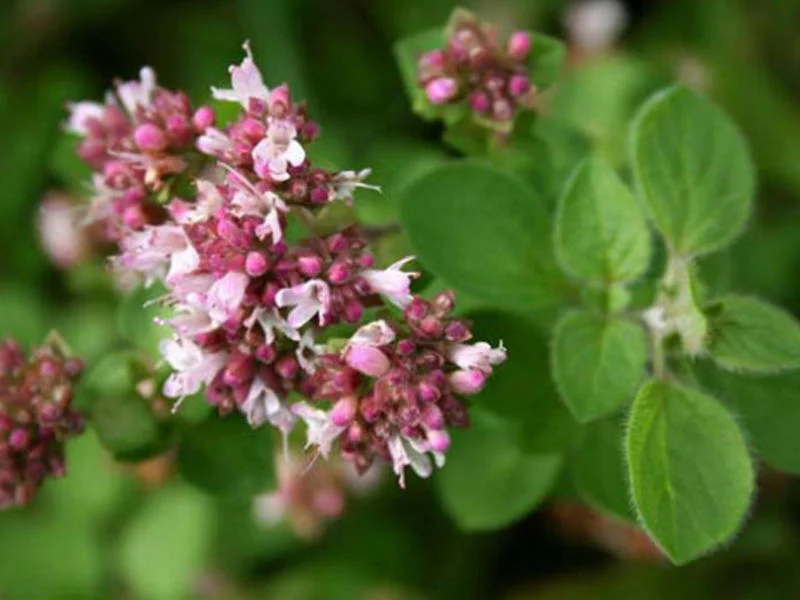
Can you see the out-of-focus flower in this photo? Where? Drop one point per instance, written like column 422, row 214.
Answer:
column 36, row 417
column 595, row 25
column 63, row 239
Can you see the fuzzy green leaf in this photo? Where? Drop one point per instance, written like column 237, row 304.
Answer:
column 693, row 170
column 600, row 233
column 485, row 232
column 511, row 484
column 690, row 472
column 225, row 457
column 753, row 336
column 598, row 363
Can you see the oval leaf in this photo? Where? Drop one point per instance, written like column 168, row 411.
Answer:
column 511, row 483
column 769, row 410
column 225, row 457
column 601, row 234
column 750, row 335
column 485, row 232
column 597, row 363
column 691, row 475
column 693, row 170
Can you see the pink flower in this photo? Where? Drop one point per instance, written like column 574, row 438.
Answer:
column 248, row 201
column 367, row 360
column 480, row 356
column 392, row 282
column 279, row 149
column 226, row 296
column 65, row 242
column 377, row 333
column 321, row 431
column 154, row 250
column 308, row 299
column 81, row 114
column 246, row 82
column 134, row 94
column 441, row 90
column 270, row 321
column 193, row 367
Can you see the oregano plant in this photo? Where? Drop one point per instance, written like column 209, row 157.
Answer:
column 525, row 315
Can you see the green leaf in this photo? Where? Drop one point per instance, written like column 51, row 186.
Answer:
column 521, row 389
column 768, row 408
column 224, row 456
column 485, row 232
column 600, row 232
column 511, row 483
column 125, row 422
column 163, row 549
column 598, row 363
column 693, row 170
column 598, row 468
column 754, row 336
column 691, row 475
column 546, row 60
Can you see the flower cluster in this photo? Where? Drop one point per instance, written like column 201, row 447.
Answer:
column 396, row 387
column 474, row 69
column 139, row 137
column 36, row 417
column 249, row 306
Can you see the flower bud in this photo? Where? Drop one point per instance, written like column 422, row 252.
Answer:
column 344, row 411
column 519, row 85
column 479, row 101
column 441, row 90
column 149, row 137
column 519, row 45
column 368, row 360
column 256, row 264
column 467, row 382
column 439, row 440
column 203, row 118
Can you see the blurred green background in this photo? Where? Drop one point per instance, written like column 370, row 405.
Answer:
column 111, row 531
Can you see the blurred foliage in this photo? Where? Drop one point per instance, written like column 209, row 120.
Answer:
column 115, row 531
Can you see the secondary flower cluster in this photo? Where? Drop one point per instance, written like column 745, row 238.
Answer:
column 36, row 417
column 249, row 306
column 140, row 136
column 474, row 69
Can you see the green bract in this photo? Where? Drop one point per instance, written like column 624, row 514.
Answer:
column 693, row 171
column 691, row 476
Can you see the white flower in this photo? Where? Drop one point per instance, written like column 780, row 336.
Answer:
column 81, row 113
column 248, row 201
column 479, row 356
column 226, row 296
column 595, row 24
column 321, row 431
column 308, row 299
column 192, row 318
column 209, row 201
column 408, row 452
column 307, row 351
column 345, row 183
column 246, row 83
column 133, row 94
column 279, row 149
column 271, row 321
column 159, row 251
column 392, row 282
column 377, row 333
column 214, row 142
column 263, row 405
column 193, row 367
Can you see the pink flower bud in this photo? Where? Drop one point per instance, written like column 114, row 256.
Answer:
column 18, row 439
column 203, row 118
column 256, row 264
column 367, row 360
column 519, row 45
column 319, row 195
column 479, row 102
column 441, row 90
column 338, row 273
column 519, row 85
column 344, row 411
column 435, row 59
column 467, row 382
column 439, row 440
column 287, row 367
column 134, row 217
column 310, row 266
column 329, row 502
column 149, row 137
column 432, row 417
